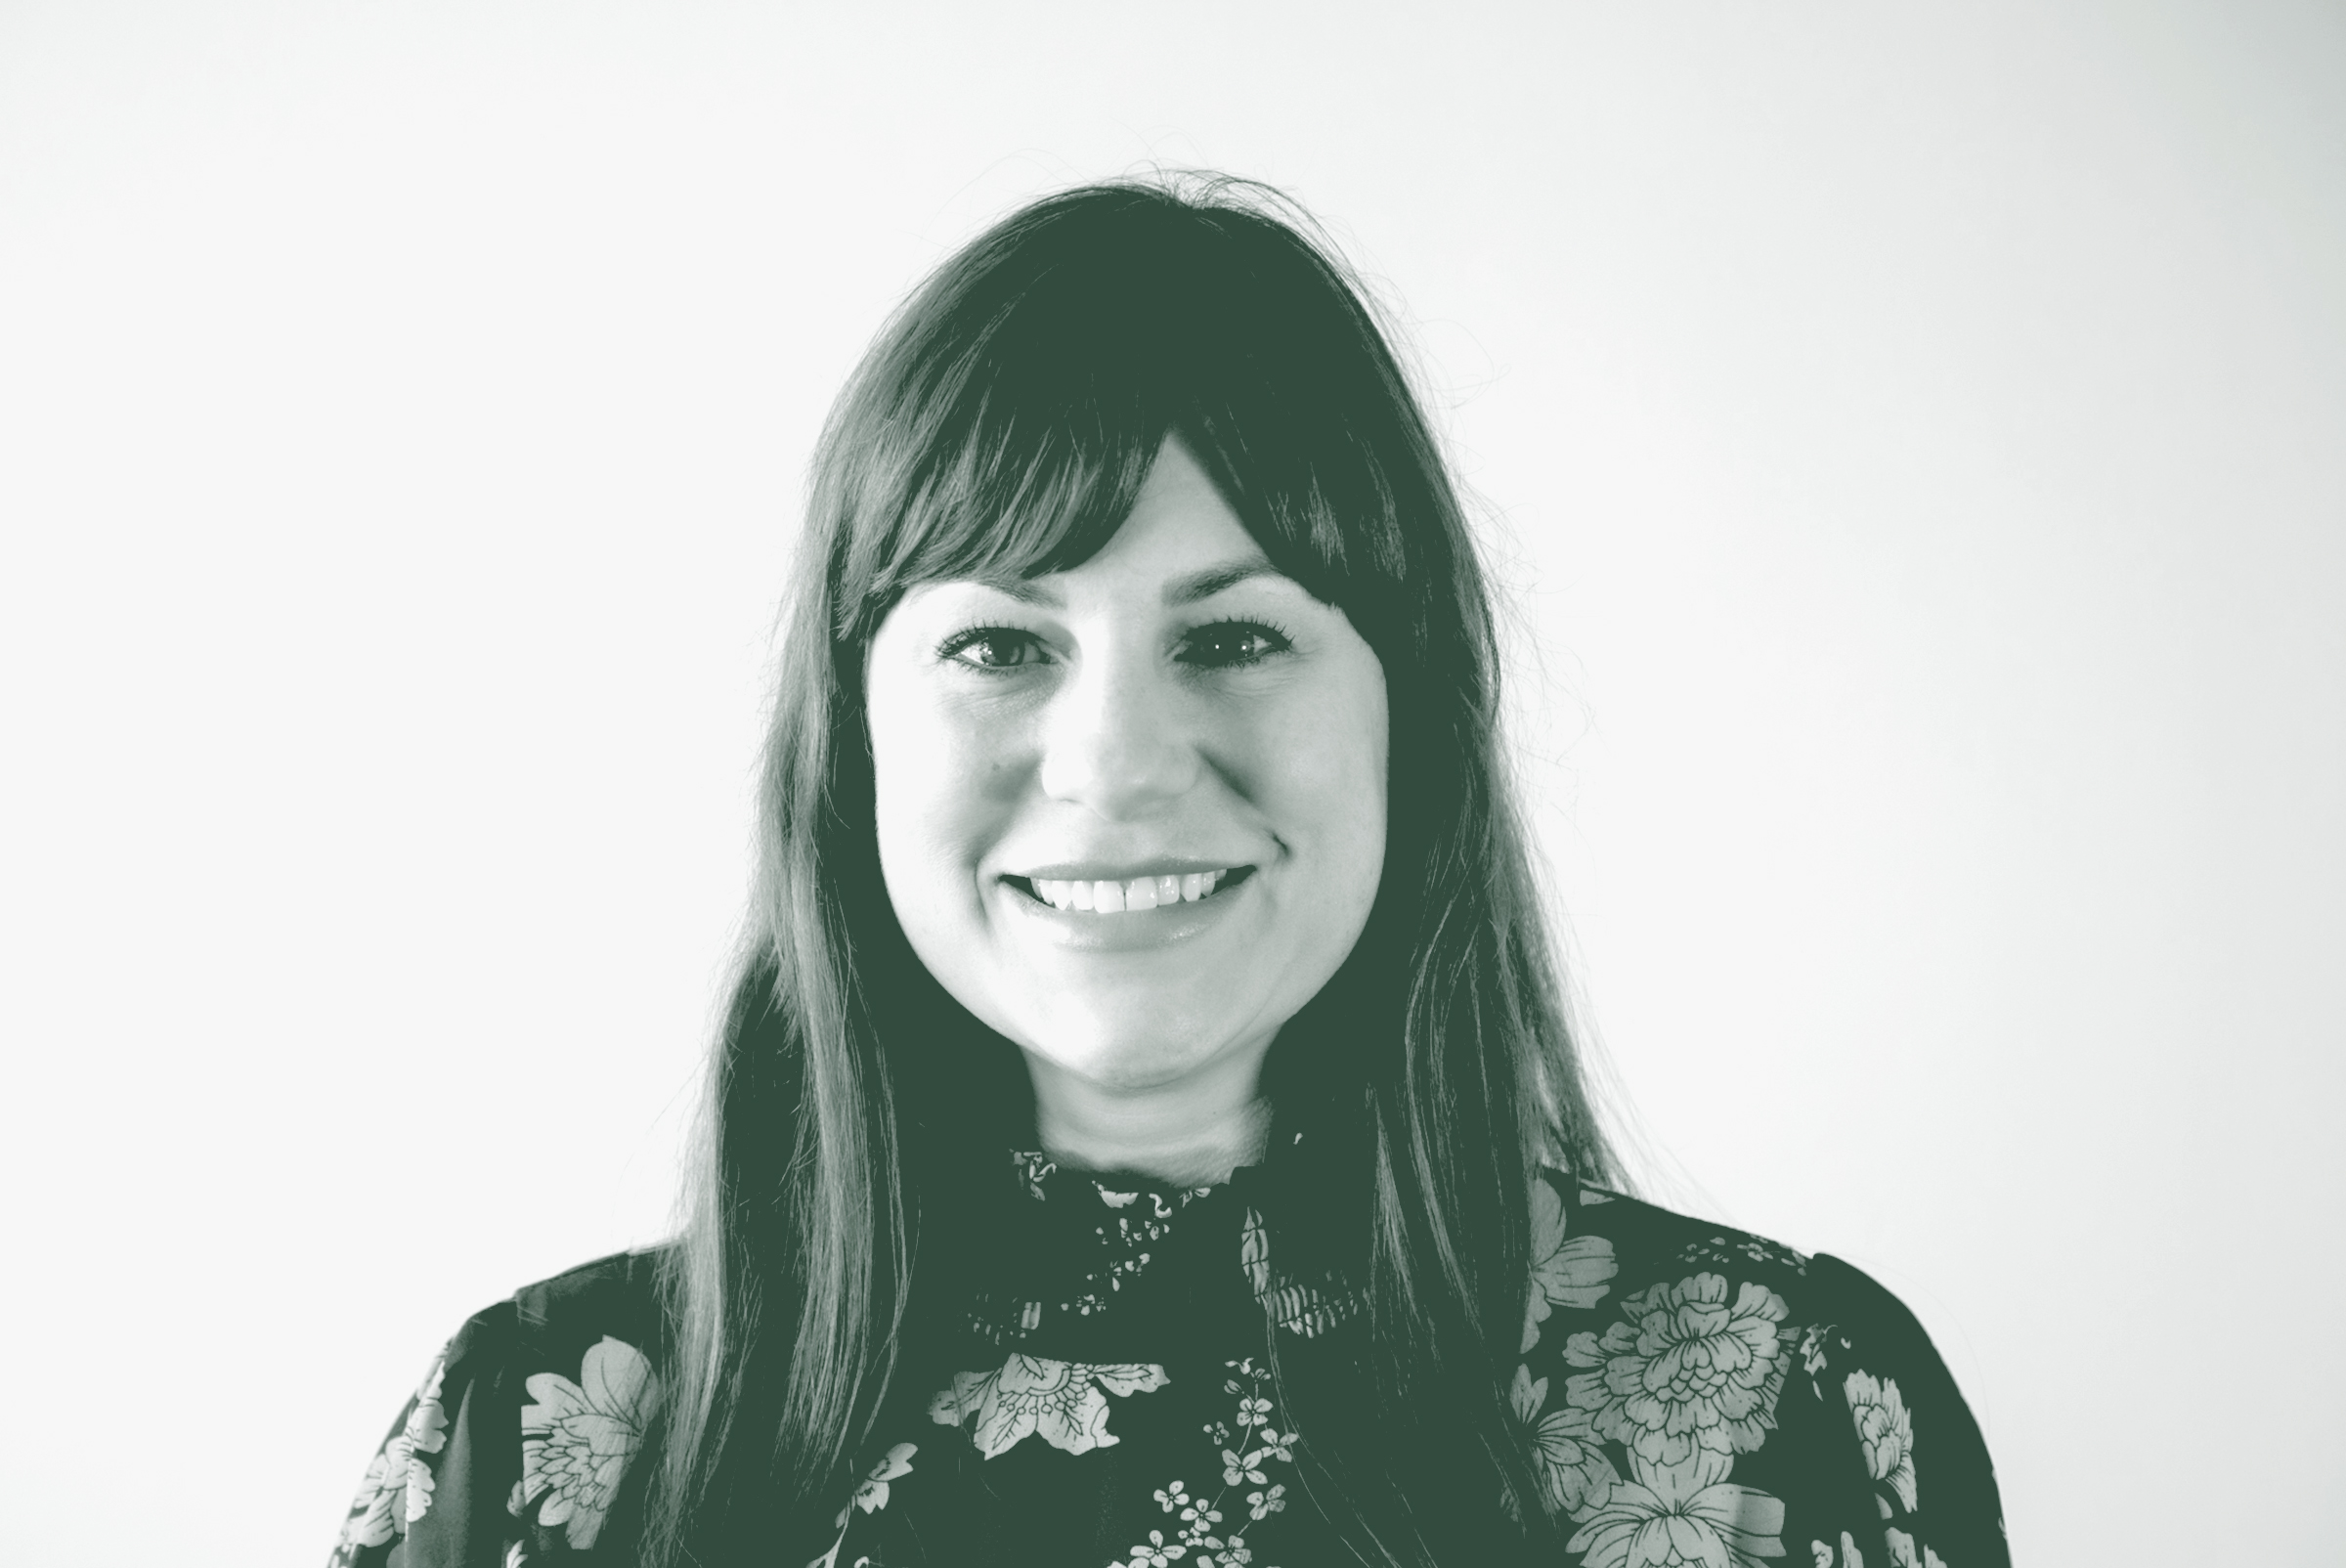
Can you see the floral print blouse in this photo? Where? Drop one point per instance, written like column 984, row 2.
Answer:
column 1692, row 1395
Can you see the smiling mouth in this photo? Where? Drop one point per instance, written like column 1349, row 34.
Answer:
column 1128, row 898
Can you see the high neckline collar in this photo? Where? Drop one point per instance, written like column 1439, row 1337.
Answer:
column 1044, row 1179
column 1095, row 1265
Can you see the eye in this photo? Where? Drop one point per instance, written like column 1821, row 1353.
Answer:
column 991, row 647
column 1231, row 644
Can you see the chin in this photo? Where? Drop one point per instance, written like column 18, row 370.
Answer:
column 1124, row 1060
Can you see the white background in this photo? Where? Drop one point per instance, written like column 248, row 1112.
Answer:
column 1912, row 437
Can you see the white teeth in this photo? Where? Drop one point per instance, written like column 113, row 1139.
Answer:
column 1118, row 898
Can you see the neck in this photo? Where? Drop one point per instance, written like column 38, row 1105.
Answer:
column 1187, row 1134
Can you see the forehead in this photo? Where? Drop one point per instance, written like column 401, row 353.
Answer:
column 1180, row 525
column 1181, row 544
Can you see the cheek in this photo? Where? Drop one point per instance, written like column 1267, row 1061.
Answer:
column 1330, row 771
column 1364, row 793
column 937, row 778
column 904, row 755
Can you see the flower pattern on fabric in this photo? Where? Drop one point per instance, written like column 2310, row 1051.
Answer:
column 1130, row 1223
column 396, row 1491
column 1822, row 1555
column 1034, row 1167
column 871, row 1496
column 1683, row 1513
column 1687, row 1370
column 1061, row 1400
column 1902, row 1552
column 1652, row 1403
column 1723, row 1252
column 1885, row 1430
column 1247, row 1451
column 577, row 1438
column 1571, row 1454
column 893, row 1466
column 1566, row 1272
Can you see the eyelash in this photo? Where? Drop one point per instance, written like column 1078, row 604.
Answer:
column 1274, row 636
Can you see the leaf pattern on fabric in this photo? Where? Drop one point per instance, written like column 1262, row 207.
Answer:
column 1650, row 1402
column 1026, row 1395
column 895, row 1466
column 1566, row 1272
column 396, row 1491
column 1902, row 1552
column 577, row 1438
column 871, row 1496
column 1571, row 1454
column 1034, row 1168
column 1686, row 1370
column 1259, row 1446
column 1682, row 1514
column 1884, row 1432
column 1741, row 1252
column 1850, row 1557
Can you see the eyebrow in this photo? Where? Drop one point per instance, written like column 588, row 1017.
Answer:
column 1214, row 578
column 1189, row 589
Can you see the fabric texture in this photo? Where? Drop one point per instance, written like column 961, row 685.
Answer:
column 1105, row 1398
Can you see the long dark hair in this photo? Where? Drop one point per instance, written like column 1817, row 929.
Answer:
column 1003, row 423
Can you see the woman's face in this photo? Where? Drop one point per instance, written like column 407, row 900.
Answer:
column 1065, row 764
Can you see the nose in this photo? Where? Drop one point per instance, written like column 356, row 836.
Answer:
column 1115, row 740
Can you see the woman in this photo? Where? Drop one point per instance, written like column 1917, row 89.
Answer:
column 1145, row 1129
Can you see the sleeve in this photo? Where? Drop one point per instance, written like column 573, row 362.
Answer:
column 435, row 1494
column 1933, row 1485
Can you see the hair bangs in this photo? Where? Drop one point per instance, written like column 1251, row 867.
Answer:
column 994, row 513
column 1026, row 398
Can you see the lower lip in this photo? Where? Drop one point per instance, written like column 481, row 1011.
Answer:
column 1135, row 930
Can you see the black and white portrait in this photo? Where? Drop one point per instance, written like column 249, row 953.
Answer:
column 1253, row 786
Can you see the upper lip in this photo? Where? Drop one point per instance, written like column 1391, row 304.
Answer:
column 1129, row 871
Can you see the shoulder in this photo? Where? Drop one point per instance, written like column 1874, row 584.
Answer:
column 558, row 1318
column 607, row 1311
column 1691, row 1345
column 484, row 1456
column 1660, row 1237
column 589, row 1339
column 617, row 1295
column 1649, row 1245
column 1651, row 1258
